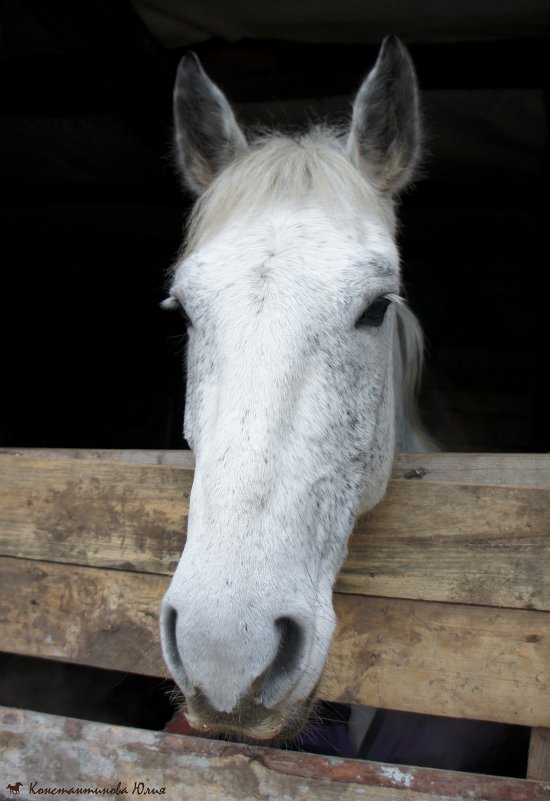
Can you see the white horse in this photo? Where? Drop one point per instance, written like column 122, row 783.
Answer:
column 302, row 362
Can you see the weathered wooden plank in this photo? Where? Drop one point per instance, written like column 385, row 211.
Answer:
column 119, row 515
column 446, row 659
column 453, row 542
column 538, row 766
column 514, row 469
column 48, row 751
column 437, row 541
column 100, row 618
column 443, row 659
column 172, row 458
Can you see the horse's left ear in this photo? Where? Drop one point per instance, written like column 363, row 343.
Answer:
column 384, row 140
column 206, row 135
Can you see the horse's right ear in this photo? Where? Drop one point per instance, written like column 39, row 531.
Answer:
column 206, row 134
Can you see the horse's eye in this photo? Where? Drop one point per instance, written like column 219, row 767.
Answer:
column 373, row 316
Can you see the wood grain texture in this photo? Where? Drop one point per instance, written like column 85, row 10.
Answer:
column 487, row 545
column 515, row 469
column 446, row 659
column 89, row 616
column 538, row 766
column 437, row 541
column 88, row 512
column 441, row 659
column 172, row 458
column 62, row 752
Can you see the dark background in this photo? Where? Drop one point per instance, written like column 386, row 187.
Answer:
column 92, row 215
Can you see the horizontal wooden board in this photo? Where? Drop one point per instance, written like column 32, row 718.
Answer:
column 514, row 469
column 454, row 542
column 431, row 540
column 461, row 661
column 511, row 469
column 172, row 458
column 88, row 512
column 442, row 659
column 96, row 617
column 43, row 751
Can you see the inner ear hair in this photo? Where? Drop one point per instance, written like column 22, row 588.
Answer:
column 206, row 135
column 385, row 134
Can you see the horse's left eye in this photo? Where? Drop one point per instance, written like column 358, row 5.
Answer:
column 373, row 316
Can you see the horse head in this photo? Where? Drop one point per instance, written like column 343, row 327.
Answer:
column 289, row 283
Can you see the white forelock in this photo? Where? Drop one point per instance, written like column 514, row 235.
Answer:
column 278, row 169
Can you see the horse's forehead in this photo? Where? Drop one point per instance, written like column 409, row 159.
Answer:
column 306, row 245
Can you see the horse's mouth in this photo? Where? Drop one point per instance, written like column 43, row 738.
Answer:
column 250, row 719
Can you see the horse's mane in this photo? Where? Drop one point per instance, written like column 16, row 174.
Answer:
column 410, row 338
column 411, row 341
column 277, row 169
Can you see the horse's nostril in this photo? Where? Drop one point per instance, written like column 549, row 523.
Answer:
column 168, row 622
column 282, row 672
column 290, row 644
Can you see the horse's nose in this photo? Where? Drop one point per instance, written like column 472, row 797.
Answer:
column 258, row 660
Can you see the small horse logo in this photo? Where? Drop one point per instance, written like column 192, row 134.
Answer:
column 14, row 788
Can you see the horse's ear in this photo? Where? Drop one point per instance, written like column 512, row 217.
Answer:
column 207, row 136
column 384, row 140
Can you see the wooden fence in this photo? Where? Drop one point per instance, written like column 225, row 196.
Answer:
column 442, row 602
